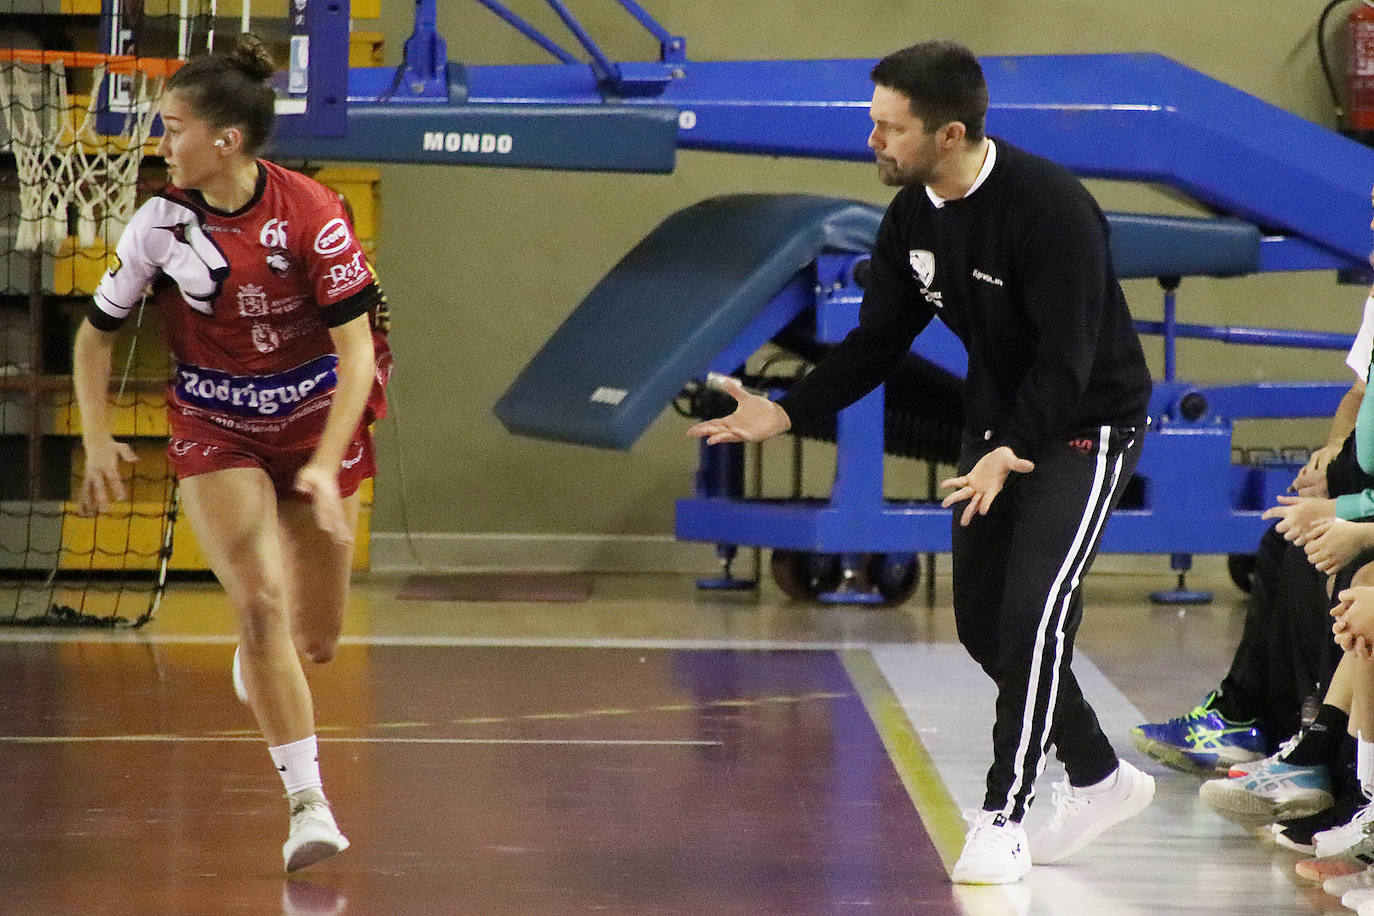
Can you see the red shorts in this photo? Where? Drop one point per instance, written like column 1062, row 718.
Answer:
column 220, row 450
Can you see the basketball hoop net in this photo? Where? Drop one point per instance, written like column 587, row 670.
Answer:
column 71, row 154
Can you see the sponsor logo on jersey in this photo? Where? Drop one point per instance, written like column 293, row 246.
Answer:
column 352, row 275
column 604, row 395
column 278, row 394
column 286, row 304
column 252, row 301
column 333, row 237
column 986, row 277
column 115, row 264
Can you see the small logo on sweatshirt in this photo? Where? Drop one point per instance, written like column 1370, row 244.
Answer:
column 923, row 263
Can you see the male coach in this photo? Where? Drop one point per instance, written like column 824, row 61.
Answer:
column 1010, row 252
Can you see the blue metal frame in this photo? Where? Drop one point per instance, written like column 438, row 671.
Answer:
column 1196, row 499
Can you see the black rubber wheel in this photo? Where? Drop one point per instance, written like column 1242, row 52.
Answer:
column 802, row 575
column 1241, row 566
column 894, row 575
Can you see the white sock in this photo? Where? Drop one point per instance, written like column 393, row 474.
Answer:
column 299, row 764
column 1364, row 765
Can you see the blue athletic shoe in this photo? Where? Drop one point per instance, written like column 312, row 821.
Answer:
column 1202, row 741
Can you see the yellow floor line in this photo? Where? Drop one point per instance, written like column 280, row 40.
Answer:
column 936, row 807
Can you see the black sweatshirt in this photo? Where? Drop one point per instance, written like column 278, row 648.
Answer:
column 1020, row 271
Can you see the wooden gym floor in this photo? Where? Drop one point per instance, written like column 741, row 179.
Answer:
column 650, row 750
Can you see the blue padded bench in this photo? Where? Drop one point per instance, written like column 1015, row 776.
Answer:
column 690, row 287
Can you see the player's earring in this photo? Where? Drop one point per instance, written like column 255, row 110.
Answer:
column 219, row 142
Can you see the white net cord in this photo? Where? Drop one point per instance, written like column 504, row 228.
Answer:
column 61, row 160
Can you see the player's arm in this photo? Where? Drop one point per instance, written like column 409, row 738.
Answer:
column 1311, row 480
column 320, row 476
column 101, row 482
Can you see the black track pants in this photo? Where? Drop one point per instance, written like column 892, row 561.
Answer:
column 1018, row 573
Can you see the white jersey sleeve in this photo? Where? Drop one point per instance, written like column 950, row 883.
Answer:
column 163, row 237
column 1363, row 348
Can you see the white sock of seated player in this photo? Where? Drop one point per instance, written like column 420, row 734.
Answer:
column 299, row 764
column 1364, row 764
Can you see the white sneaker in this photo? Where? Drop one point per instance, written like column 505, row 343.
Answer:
column 240, row 690
column 1353, row 900
column 1361, row 880
column 1339, row 839
column 314, row 835
column 1082, row 814
column 995, row 851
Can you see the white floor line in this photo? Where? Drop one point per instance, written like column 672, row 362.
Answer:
column 220, row 739
column 525, row 642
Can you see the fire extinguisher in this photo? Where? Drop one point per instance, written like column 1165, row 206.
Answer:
column 1359, row 79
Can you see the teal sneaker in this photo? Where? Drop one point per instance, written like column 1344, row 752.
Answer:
column 1276, row 791
column 1202, row 741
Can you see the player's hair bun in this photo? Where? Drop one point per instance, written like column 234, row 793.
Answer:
column 251, row 56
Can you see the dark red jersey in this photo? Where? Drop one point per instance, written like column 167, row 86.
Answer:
column 247, row 300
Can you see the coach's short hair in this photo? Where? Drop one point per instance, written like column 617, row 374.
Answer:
column 942, row 80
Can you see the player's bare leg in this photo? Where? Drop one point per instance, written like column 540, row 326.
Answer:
column 234, row 514
column 318, row 568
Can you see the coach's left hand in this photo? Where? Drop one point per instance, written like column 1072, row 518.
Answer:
column 984, row 481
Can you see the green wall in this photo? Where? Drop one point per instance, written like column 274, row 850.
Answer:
column 483, row 264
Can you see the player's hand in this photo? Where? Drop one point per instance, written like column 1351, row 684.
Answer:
column 1298, row 514
column 755, row 418
column 322, row 486
column 984, row 481
column 102, row 483
column 1311, row 480
column 1354, row 624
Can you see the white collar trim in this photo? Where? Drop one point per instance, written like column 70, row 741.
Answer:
column 988, row 161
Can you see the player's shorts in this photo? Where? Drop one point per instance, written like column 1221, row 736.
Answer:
column 209, row 451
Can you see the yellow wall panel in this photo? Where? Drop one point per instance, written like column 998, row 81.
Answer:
column 77, row 271
column 131, row 414
column 365, row 49
column 359, row 186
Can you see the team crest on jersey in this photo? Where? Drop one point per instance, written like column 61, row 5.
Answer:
column 923, row 263
column 265, row 338
column 252, row 301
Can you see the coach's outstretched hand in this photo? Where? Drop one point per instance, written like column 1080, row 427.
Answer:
column 754, row 420
column 984, row 481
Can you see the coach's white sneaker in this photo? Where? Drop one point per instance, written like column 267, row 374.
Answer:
column 995, row 851
column 314, row 835
column 240, row 691
column 1082, row 814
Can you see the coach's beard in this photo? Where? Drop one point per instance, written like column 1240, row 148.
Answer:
column 893, row 175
